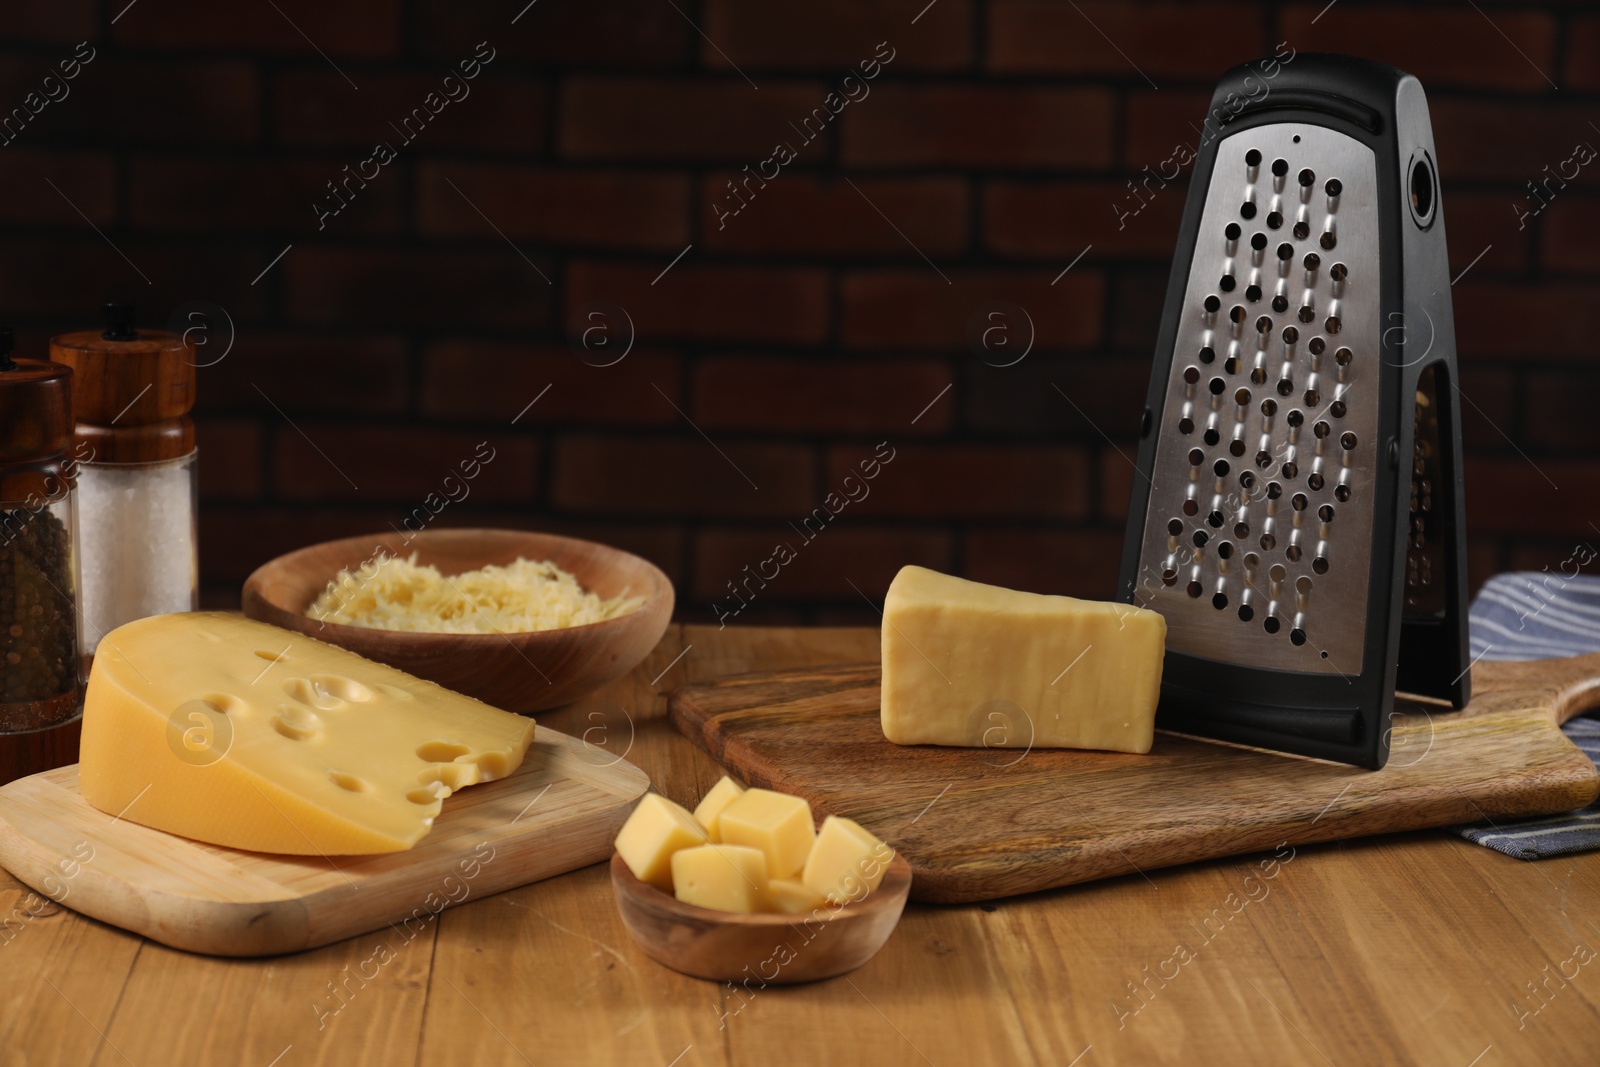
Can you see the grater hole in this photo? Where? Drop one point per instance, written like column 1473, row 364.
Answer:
column 1207, row 354
column 1246, row 613
column 1191, row 374
column 1214, row 520
column 1258, row 241
column 1196, row 457
column 1274, row 490
column 1337, row 409
column 1325, row 513
column 1236, row 448
column 1213, row 303
column 1248, row 479
column 1241, row 530
column 1313, row 398
column 1292, row 553
column 1348, row 440
column 1291, row 470
column 1232, row 232
column 1297, row 636
column 1279, row 572
column 1334, row 187
column 1328, row 240
column 1280, row 304
column 1338, row 272
column 1272, row 625
column 1315, row 480
column 1268, row 542
column 1333, row 324
column 1220, row 601
column 1194, row 590
column 1175, row 527
column 1323, row 653
column 1290, row 335
column 1226, row 284
column 1317, row 346
column 1296, row 417
column 1232, row 365
column 1312, row 261
column 1238, row 315
column 1300, row 502
column 1320, row 565
column 1169, row 577
column 1258, row 376
column 1252, row 561
column 1218, row 386
column 1274, row 219
column 1285, row 387
column 1200, row 538
column 1307, row 313
column 1247, row 210
column 1343, row 357
column 1252, row 293
column 1264, row 325
column 1321, row 429
column 1190, row 508
column 1307, row 178
column 1302, row 230
column 1186, row 425
column 1242, row 397
column 1211, row 436
column 1269, row 407
column 1280, row 167
column 1286, row 251
column 1252, row 158
column 1221, row 467
column 1341, row 493
column 1225, row 550
column 1263, row 459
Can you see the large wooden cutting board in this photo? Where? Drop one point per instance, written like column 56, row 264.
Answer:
column 983, row 823
column 561, row 810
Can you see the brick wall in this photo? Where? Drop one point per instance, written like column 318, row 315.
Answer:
column 773, row 348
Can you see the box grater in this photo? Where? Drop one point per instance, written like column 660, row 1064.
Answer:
column 1297, row 516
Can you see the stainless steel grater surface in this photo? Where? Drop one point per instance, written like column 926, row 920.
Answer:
column 1298, row 519
column 1258, row 528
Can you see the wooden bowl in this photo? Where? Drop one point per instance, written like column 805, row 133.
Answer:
column 520, row 672
column 765, row 949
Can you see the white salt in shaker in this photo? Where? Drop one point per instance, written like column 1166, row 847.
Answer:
column 132, row 393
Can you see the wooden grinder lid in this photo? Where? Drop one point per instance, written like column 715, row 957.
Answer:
column 133, row 390
column 35, row 427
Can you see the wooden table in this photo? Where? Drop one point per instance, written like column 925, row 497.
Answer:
column 1417, row 948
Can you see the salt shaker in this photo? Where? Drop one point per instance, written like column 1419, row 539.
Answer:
column 132, row 393
column 41, row 664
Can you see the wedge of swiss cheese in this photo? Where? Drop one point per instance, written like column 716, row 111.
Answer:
column 237, row 733
column 975, row 665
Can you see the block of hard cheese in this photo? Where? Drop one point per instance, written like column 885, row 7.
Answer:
column 976, row 665
column 237, row 733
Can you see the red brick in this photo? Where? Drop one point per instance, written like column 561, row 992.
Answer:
column 335, row 374
column 577, row 207
column 1117, row 472
column 235, row 541
column 85, row 179
column 210, row 194
column 805, row 215
column 318, row 107
column 823, row 568
column 1569, row 224
column 1158, row 123
column 415, row 287
column 917, row 309
column 1081, row 563
column 1056, row 399
column 1479, row 221
column 1556, row 556
column 1513, row 495
column 966, row 481
column 1484, row 561
column 618, row 33
column 808, row 35
column 1558, row 413
column 813, row 396
column 1492, row 138
column 1057, row 220
column 681, row 477
column 1160, row 41
column 114, row 100
column 1499, row 319
column 708, row 302
column 983, row 126
column 67, row 276
column 1135, row 306
column 230, row 459
column 366, row 30
column 1488, row 409
column 1583, row 53
column 1450, row 46
column 494, row 381
column 696, row 120
column 400, row 464
column 56, row 21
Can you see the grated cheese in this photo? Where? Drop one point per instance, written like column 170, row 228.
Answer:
column 390, row 593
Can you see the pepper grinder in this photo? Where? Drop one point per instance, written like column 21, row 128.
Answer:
column 132, row 391
column 41, row 666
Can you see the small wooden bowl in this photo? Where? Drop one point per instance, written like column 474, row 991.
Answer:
column 760, row 949
column 520, row 672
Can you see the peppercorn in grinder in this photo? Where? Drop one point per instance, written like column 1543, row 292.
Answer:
column 41, row 666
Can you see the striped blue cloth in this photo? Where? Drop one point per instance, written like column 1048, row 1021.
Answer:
column 1540, row 615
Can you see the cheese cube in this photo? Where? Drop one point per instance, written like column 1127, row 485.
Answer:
column 721, row 877
column 241, row 734
column 656, row 830
column 792, row 897
column 710, row 807
column 847, row 862
column 977, row 665
column 778, row 824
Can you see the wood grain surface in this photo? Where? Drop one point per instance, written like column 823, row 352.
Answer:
column 560, row 810
column 980, row 823
column 1411, row 948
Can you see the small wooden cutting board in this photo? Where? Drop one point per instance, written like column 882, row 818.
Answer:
column 983, row 823
column 561, row 810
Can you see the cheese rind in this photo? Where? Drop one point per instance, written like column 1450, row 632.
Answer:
column 241, row 734
column 721, row 877
column 656, row 830
column 846, row 863
column 976, row 665
column 776, row 823
column 711, row 806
